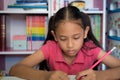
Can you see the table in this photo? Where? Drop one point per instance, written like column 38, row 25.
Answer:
column 72, row 77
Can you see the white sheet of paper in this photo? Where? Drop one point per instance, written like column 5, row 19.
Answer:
column 11, row 78
column 72, row 77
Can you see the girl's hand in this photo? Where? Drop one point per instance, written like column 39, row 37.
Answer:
column 58, row 75
column 86, row 75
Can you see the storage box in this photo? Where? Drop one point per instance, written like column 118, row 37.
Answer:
column 78, row 4
column 19, row 42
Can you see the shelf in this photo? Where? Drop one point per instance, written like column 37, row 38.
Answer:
column 114, row 11
column 114, row 38
column 93, row 12
column 23, row 12
column 16, row 52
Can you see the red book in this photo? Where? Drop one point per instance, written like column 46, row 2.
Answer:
column 2, row 33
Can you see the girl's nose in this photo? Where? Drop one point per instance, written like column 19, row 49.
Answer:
column 70, row 43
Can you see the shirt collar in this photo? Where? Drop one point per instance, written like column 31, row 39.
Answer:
column 59, row 56
column 79, row 58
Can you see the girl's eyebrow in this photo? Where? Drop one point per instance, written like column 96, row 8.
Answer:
column 77, row 34
column 61, row 35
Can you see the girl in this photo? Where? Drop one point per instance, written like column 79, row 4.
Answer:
column 70, row 49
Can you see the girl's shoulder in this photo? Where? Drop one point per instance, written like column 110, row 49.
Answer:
column 49, row 49
column 90, row 48
column 90, row 45
column 50, row 44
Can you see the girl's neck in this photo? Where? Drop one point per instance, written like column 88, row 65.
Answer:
column 69, row 60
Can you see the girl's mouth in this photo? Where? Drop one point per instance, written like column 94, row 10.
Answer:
column 70, row 51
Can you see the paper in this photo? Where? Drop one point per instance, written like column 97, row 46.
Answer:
column 72, row 77
column 11, row 78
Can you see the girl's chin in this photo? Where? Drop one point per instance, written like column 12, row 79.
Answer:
column 72, row 55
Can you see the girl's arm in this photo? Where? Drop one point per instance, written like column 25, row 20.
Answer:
column 24, row 69
column 113, row 73
column 110, row 60
column 113, row 63
column 109, row 74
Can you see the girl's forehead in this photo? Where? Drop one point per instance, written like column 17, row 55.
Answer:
column 67, row 21
column 65, row 27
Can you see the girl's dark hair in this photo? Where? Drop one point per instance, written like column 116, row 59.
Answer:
column 70, row 13
column 43, row 64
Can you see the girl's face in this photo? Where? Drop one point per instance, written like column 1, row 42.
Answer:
column 70, row 36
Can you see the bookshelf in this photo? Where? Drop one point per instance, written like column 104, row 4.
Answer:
column 15, row 23
column 113, row 28
column 17, row 18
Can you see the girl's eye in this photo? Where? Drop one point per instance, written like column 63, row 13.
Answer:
column 76, row 37
column 62, row 38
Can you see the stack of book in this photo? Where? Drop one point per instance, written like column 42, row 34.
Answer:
column 35, row 30
column 57, row 4
column 30, row 5
column 96, row 26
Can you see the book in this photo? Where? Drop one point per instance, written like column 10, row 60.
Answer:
column 35, row 26
column 57, row 4
column 95, row 24
column 2, row 36
column 22, row 9
column 30, row 1
column 2, row 33
column 28, row 6
column 36, row 5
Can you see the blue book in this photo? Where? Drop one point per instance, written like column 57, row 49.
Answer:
column 30, row 1
column 28, row 6
column 35, row 38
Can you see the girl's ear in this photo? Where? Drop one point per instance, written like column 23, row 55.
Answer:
column 86, row 31
column 53, row 33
